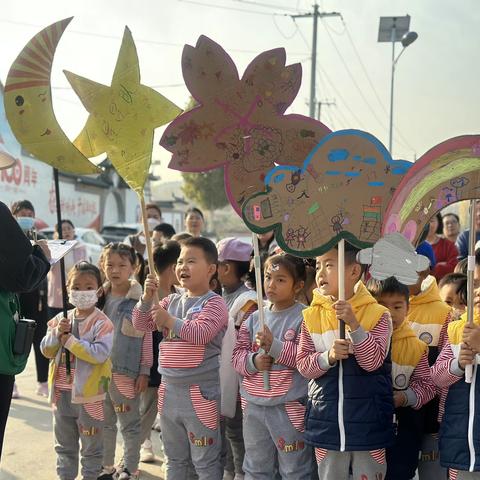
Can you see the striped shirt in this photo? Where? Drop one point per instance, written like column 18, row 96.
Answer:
column 421, row 382
column 370, row 353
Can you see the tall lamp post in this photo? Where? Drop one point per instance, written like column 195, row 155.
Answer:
column 392, row 30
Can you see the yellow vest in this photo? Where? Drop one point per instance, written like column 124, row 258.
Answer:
column 427, row 313
column 322, row 322
column 407, row 350
column 455, row 331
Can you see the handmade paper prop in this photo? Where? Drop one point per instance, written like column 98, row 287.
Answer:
column 28, row 104
column 240, row 124
column 446, row 174
column 340, row 192
column 9, row 147
column 122, row 117
column 394, row 256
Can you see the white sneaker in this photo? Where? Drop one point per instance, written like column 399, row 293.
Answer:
column 15, row 392
column 156, row 424
column 146, row 452
column 42, row 389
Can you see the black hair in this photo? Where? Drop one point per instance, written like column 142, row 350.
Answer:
column 205, row 244
column 294, row 265
column 121, row 249
column 166, row 229
column 477, row 257
column 460, row 281
column 439, row 229
column 166, row 255
column 250, row 278
column 154, row 206
column 141, row 270
column 388, row 286
column 87, row 268
column 241, row 268
column 64, row 221
column 215, row 285
column 351, row 256
column 22, row 205
column 451, row 214
column 462, row 265
column 181, row 237
column 194, row 210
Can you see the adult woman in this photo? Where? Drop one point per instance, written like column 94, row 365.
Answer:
column 446, row 252
column 451, row 226
column 77, row 254
column 22, row 268
column 194, row 222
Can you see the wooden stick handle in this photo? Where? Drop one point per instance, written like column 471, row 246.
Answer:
column 341, row 281
column 470, row 278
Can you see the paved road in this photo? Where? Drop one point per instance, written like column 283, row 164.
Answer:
column 28, row 447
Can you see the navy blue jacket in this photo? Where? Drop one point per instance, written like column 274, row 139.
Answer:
column 455, row 448
column 367, row 408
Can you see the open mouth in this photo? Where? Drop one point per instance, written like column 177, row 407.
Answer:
column 184, row 276
column 322, row 284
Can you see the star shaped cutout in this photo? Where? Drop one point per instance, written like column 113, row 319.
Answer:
column 122, row 117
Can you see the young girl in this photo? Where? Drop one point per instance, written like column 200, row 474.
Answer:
column 131, row 361
column 87, row 336
column 273, row 418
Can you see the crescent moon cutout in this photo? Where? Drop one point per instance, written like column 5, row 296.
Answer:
column 29, row 109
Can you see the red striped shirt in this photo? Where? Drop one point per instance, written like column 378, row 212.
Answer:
column 421, row 382
column 124, row 384
column 308, row 359
column 442, row 377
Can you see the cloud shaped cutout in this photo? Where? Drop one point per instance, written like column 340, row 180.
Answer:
column 341, row 191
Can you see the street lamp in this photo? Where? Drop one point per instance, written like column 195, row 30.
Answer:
column 392, row 30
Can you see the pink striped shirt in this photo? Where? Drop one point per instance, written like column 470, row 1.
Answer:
column 421, row 382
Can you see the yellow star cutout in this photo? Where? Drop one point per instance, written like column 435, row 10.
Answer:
column 122, row 117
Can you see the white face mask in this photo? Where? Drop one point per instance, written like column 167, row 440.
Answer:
column 152, row 223
column 83, row 299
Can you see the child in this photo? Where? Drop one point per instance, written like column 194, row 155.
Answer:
column 412, row 382
column 350, row 408
column 165, row 257
column 429, row 318
column 273, row 419
column 453, row 291
column 78, row 413
column 459, row 438
column 194, row 324
column 131, row 361
column 233, row 265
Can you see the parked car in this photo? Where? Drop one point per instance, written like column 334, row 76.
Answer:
column 88, row 236
column 117, row 232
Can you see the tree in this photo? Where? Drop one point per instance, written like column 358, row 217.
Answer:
column 206, row 189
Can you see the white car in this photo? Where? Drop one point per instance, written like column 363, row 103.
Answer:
column 88, row 236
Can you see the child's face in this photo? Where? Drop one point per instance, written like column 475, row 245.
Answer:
column 327, row 274
column 398, row 306
column 83, row 281
column 448, row 294
column 193, row 270
column 278, row 284
column 118, row 268
column 224, row 270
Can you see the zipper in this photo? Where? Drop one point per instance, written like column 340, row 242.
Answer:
column 471, row 415
column 341, row 426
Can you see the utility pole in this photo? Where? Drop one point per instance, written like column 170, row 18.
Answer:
column 316, row 14
column 327, row 103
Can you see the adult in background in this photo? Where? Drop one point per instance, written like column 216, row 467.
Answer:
column 462, row 240
column 138, row 240
column 162, row 233
column 33, row 302
column 23, row 267
column 194, row 222
column 451, row 226
column 77, row 254
column 445, row 251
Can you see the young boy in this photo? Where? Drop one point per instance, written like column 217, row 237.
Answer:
column 349, row 417
column 233, row 265
column 412, row 382
column 429, row 318
column 189, row 396
column 459, row 430
column 453, row 291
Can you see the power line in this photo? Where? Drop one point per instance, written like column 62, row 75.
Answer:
column 268, row 5
column 236, row 9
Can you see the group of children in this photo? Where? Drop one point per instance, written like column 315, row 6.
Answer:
column 302, row 403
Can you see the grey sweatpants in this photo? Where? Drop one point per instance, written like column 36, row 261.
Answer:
column 71, row 422
column 462, row 475
column 234, row 434
column 148, row 411
column 275, row 432
column 334, row 465
column 128, row 414
column 429, row 467
column 189, row 418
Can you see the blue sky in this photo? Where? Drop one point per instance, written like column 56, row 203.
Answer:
column 437, row 94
